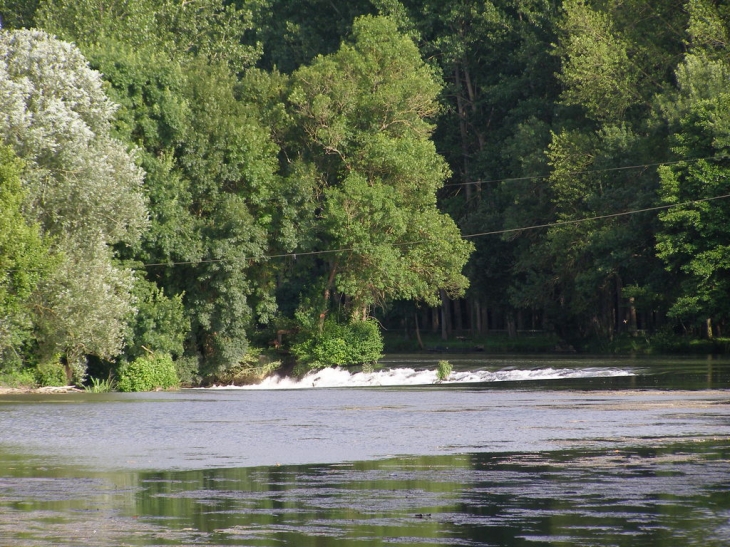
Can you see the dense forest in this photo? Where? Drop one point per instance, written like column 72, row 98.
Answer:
column 194, row 182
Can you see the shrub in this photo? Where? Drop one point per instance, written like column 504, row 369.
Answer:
column 254, row 367
column 100, row 386
column 17, row 377
column 355, row 343
column 148, row 373
column 443, row 370
column 51, row 373
column 187, row 368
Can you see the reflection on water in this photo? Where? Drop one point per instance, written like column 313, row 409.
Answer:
column 598, row 459
column 669, row 496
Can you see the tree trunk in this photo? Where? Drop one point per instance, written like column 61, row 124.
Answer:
column 326, row 295
column 445, row 316
column 418, row 331
column 633, row 323
column 511, row 327
column 458, row 316
column 620, row 319
column 478, row 316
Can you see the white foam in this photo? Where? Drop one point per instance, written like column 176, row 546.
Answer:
column 338, row 377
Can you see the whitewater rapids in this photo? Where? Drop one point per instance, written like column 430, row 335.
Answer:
column 339, row 377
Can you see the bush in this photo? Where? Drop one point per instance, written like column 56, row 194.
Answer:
column 356, row 343
column 254, row 367
column 51, row 373
column 443, row 370
column 148, row 373
column 98, row 385
column 17, row 376
column 187, row 368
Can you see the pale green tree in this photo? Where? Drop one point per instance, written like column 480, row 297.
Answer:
column 83, row 187
column 597, row 72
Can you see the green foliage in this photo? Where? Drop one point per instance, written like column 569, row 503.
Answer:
column 160, row 324
column 597, row 71
column 51, row 373
column 253, row 368
column 24, row 257
column 362, row 125
column 100, row 385
column 354, row 343
column 693, row 241
column 294, row 33
column 83, row 190
column 188, row 367
column 207, row 28
column 443, row 370
column 148, row 373
column 215, row 202
column 18, row 13
column 533, row 112
column 17, row 376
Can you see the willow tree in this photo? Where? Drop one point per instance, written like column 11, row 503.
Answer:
column 362, row 137
column 83, row 189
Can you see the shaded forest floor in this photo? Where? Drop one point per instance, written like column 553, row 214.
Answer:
column 541, row 342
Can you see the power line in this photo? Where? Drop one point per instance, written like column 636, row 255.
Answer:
column 573, row 173
column 469, row 236
column 466, row 236
column 599, row 217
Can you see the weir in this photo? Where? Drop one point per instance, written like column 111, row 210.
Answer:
column 340, row 377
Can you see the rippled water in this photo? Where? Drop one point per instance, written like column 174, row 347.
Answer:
column 510, row 452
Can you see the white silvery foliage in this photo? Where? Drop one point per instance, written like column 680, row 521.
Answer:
column 84, row 186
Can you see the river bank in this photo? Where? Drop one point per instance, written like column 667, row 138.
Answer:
column 38, row 390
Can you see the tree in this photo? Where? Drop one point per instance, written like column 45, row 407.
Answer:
column 177, row 30
column 361, row 129
column 292, row 34
column 693, row 241
column 84, row 189
column 15, row 14
column 615, row 58
column 24, row 260
column 216, row 204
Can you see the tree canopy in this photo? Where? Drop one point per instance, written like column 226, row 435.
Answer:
column 201, row 179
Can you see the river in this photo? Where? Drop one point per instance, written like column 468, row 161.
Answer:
column 510, row 451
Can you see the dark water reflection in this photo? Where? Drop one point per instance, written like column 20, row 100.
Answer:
column 626, row 461
column 669, row 496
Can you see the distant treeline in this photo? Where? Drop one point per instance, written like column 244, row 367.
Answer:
column 208, row 178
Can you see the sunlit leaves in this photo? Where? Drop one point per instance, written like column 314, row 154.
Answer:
column 24, row 257
column 597, row 71
column 364, row 114
column 207, row 28
column 83, row 186
column 693, row 239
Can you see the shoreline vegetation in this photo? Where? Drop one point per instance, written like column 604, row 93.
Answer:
column 496, row 344
column 205, row 192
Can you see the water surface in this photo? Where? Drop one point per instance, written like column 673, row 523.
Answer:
column 542, row 451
